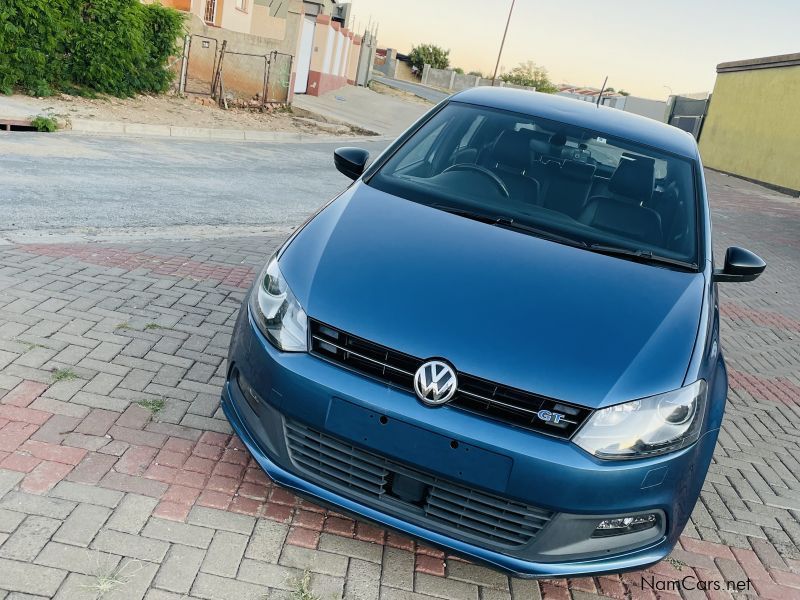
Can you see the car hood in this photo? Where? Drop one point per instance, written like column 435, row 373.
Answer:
column 505, row 306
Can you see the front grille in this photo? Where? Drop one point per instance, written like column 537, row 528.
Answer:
column 448, row 507
column 493, row 400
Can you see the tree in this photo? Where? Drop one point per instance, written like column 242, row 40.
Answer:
column 624, row 93
column 476, row 74
column 458, row 70
column 119, row 47
column 429, row 54
column 530, row 74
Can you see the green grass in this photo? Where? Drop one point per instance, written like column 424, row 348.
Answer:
column 107, row 579
column 675, row 562
column 30, row 346
column 302, row 587
column 154, row 406
column 152, row 326
column 45, row 124
column 64, row 375
column 123, row 326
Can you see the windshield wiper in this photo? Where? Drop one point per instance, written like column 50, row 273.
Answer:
column 509, row 223
column 542, row 233
column 641, row 255
column 462, row 212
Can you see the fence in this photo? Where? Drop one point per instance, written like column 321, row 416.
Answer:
column 214, row 69
column 450, row 80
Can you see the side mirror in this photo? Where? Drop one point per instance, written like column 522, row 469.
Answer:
column 351, row 161
column 740, row 265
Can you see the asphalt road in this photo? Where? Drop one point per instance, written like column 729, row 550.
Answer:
column 422, row 91
column 68, row 181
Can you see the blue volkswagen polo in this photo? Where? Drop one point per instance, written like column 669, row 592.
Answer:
column 501, row 339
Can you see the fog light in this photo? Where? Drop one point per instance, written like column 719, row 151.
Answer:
column 623, row 525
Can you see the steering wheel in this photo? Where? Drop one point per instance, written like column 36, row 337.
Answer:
column 483, row 171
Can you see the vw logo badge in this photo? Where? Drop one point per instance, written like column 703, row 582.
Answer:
column 435, row 383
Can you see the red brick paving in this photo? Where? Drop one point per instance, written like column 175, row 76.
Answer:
column 216, row 472
column 178, row 266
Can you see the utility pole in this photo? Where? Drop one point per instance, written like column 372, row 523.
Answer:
column 502, row 44
column 602, row 89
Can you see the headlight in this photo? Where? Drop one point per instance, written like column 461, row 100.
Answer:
column 277, row 312
column 646, row 427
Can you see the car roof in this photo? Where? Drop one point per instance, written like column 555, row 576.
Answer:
column 601, row 119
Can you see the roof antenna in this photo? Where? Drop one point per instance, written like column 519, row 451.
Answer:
column 603, row 89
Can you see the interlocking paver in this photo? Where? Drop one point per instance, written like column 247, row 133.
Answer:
column 213, row 587
column 37, row 505
column 351, row 547
column 82, row 525
column 132, row 513
column 127, row 544
column 29, row 578
column 29, row 538
column 317, row 561
column 179, row 533
column 173, row 474
column 77, row 560
column 219, row 519
column 180, row 568
column 266, row 541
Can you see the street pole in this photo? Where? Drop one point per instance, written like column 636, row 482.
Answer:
column 502, row 44
column 602, row 89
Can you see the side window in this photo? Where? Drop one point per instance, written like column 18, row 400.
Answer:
column 422, row 149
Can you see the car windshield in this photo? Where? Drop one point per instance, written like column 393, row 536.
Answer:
column 552, row 180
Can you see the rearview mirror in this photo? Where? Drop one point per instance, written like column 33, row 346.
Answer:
column 740, row 265
column 351, row 161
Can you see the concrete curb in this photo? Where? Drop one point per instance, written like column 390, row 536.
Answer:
column 208, row 133
column 117, row 235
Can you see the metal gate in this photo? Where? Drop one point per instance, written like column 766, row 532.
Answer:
column 201, row 65
column 689, row 114
column 212, row 69
column 279, row 77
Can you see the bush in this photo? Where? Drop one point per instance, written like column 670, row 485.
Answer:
column 532, row 75
column 33, row 41
column 45, row 124
column 431, row 55
column 119, row 47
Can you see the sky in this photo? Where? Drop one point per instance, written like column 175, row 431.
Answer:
column 647, row 48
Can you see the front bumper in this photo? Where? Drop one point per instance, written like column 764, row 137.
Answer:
column 579, row 490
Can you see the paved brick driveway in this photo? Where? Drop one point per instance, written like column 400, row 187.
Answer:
column 99, row 493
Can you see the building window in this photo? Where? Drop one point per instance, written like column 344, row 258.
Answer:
column 211, row 11
column 241, row 5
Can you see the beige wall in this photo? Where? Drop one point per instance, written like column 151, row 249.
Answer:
column 323, row 38
column 184, row 5
column 243, row 75
column 753, row 124
column 352, row 62
column 331, row 57
column 265, row 25
column 234, row 19
column 404, row 72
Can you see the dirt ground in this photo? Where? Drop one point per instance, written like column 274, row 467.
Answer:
column 376, row 86
column 177, row 111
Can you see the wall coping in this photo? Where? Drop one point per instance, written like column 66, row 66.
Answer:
column 767, row 62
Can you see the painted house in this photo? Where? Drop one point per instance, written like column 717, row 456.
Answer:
column 326, row 52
